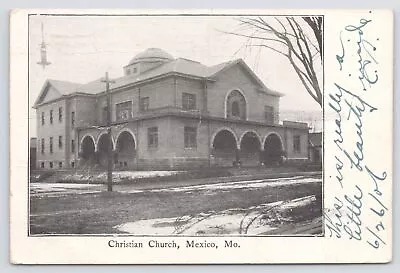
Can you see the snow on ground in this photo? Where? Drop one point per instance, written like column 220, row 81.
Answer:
column 118, row 175
column 248, row 184
column 63, row 188
column 253, row 220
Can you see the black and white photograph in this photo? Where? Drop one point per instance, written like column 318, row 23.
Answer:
column 201, row 136
column 176, row 125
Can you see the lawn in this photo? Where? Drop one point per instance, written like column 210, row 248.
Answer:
column 100, row 213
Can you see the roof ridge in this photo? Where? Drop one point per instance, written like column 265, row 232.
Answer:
column 53, row 80
column 190, row 60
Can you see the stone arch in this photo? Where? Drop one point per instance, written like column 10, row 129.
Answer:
column 222, row 129
column 252, row 132
column 128, row 131
column 102, row 134
column 278, row 135
column 102, row 151
column 125, row 149
column 224, row 149
column 87, row 147
column 273, row 149
column 242, row 103
column 250, row 148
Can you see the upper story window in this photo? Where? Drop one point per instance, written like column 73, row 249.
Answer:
column 190, row 137
column 188, row 101
column 72, row 119
column 134, row 70
column 42, row 118
column 296, row 144
column 42, row 146
column 51, row 145
column 235, row 109
column 236, row 105
column 123, row 110
column 51, row 116
column 144, row 104
column 269, row 114
column 60, row 114
column 152, row 137
column 60, row 142
column 72, row 146
column 128, row 71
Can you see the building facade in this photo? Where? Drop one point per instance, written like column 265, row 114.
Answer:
column 167, row 113
column 315, row 147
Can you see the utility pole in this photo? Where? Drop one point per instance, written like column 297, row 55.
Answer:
column 109, row 144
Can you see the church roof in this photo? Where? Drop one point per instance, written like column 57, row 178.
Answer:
column 180, row 66
column 64, row 87
column 152, row 55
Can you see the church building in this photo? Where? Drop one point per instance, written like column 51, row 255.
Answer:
column 166, row 113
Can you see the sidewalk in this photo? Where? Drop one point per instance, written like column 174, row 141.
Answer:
column 214, row 180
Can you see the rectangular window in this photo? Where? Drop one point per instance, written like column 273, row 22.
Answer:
column 72, row 146
column 296, row 144
column 42, row 118
column 188, row 101
column 42, row 146
column 60, row 142
column 60, row 114
column 269, row 114
column 144, row 104
column 42, row 165
column 60, row 164
column 123, row 110
column 190, row 136
column 152, row 137
column 51, row 165
column 51, row 116
column 72, row 119
column 51, row 145
column 73, row 164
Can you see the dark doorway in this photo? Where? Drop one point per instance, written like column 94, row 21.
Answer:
column 126, row 150
column 273, row 150
column 224, row 149
column 250, row 147
column 87, row 154
column 102, row 150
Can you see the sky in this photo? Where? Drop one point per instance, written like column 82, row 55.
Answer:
column 82, row 48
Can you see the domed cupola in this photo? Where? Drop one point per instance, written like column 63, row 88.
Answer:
column 146, row 60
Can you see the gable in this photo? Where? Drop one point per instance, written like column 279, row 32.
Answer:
column 237, row 77
column 241, row 72
column 48, row 93
column 53, row 89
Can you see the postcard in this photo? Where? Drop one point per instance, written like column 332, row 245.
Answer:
column 201, row 136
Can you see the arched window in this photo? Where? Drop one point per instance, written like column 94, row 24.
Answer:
column 236, row 105
column 235, row 109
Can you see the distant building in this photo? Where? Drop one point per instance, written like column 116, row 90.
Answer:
column 167, row 113
column 32, row 153
column 315, row 147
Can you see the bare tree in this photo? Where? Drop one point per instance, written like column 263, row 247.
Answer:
column 298, row 39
